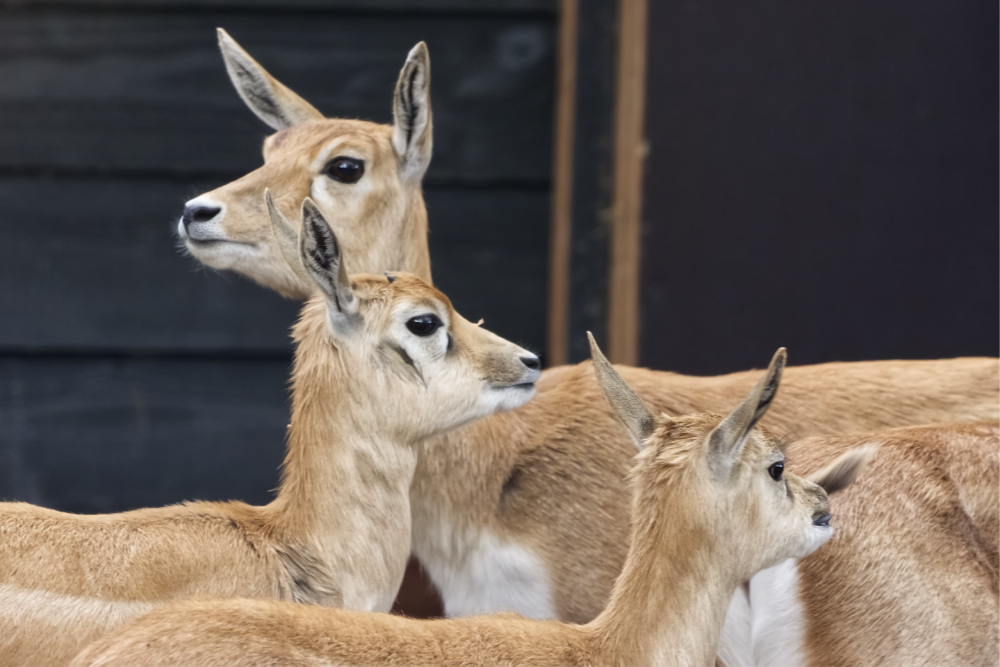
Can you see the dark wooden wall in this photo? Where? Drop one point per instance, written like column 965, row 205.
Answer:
column 822, row 176
column 129, row 376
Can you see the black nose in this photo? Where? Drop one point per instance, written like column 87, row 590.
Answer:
column 198, row 213
column 531, row 362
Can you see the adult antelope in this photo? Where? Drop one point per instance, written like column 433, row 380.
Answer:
column 381, row 362
column 524, row 511
column 710, row 507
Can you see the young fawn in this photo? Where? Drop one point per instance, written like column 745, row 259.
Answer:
column 910, row 578
column 524, row 511
column 381, row 363
column 711, row 506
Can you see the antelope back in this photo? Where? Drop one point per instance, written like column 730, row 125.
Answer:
column 365, row 177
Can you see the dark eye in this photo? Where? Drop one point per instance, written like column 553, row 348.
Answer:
column 345, row 169
column 423, row 325
column 776, row 470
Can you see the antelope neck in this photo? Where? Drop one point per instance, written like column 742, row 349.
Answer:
column 344, row 494
column 669, row 604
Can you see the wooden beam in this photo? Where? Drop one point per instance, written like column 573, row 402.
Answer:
column 629, row 152
column 562, row 185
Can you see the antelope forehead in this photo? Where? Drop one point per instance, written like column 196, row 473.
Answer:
column 406, row 308
column 348, row 146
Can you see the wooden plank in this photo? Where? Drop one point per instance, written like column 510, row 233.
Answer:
column 148, row 91
column 326, row 6
column 630, row 149
column 104, row 435
column 822, row 177
column 562, row 185
column 93, row 265
column 592, row 175
column 489, row 254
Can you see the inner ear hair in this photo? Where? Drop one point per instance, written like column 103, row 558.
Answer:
column 267, row 97
column 413, row 126
column 625, row 403
column 727, row 439
column 321, row 255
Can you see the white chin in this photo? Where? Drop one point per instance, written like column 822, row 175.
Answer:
column 818, row 537
column 515, row 397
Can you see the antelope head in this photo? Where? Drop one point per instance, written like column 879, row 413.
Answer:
column 726, row 473
column 411, row 359
column 364, row 177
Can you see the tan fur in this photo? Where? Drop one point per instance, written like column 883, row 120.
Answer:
column 910, row 577
column 338, row 531
column 381, row 220
column 549, row 475
column 695, row 536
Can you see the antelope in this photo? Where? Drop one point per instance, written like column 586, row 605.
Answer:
column 526, row 511
column 381, row 363
column 711, row 506
column 364, row 176
column 910, row 578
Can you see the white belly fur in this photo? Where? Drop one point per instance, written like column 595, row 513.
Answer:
column 492, row 576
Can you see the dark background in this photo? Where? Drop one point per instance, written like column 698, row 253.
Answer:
column 821, row 176
column 129, row 376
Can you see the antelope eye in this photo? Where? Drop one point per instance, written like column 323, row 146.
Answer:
column 423, row 325
column 776, row 470
column 345, row 169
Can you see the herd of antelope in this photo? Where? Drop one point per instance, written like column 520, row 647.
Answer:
column 585, row 515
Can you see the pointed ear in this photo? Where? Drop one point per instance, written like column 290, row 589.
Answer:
column 412, row 135
column 625, row 403
column 286, row 237
column 844, row 470
column 321, row 256
column 725, row 443
column 267, row 97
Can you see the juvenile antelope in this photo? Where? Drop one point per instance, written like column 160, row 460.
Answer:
column 710, row 507
column 909, row 579
column 525, row 511
column 381, row 362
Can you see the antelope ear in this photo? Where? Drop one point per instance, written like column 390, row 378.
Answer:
column 267, row 97
column 726, row 441
column 840, row 474
column 284, row 234
column 321, row 256
column 413, row 132
column 625, row 403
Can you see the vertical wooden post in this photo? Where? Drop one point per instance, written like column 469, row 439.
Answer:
column 629, row 152
column 562, row 185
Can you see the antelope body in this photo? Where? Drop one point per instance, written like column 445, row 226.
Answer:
column 381, row 362
column 708, row 512
column 526, row 511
